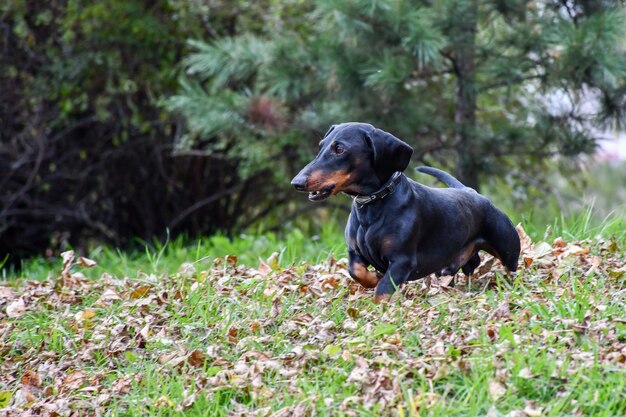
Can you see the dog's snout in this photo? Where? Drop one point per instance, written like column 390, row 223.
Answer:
column 299, row 182
column 299, row 186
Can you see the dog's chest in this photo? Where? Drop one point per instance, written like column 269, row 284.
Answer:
column 369, row 243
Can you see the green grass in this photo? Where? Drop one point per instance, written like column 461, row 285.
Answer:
column 166, row 257
column 302, row 339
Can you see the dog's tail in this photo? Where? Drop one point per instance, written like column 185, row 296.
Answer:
column 444, row 177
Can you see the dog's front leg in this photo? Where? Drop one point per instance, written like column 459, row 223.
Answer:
column 359, row 272
column 399, row 272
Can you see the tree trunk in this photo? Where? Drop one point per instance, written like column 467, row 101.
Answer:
column 465, row 100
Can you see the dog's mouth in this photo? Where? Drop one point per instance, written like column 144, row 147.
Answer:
column 322, row 193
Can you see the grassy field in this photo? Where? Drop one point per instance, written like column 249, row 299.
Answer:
column 188, row 330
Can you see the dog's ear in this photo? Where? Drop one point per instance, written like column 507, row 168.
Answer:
column 390, row 153
column 330, row 130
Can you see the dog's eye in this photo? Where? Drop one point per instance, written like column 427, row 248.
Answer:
column 338, row 149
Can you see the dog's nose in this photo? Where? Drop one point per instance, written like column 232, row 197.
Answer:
column 299, row 182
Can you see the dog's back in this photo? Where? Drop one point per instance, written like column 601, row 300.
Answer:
column 497, row 228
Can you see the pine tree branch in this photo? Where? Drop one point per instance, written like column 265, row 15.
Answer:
column 448, row 55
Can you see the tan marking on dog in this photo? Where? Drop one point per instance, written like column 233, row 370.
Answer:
column 318, row 180
column 471, row 249
column 466, row 254
column 387, row 244
column 315, row 179
column 363, row 276
column 382, row 298
column 341, row 179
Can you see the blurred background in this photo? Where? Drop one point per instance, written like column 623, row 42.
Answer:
column 128, row 120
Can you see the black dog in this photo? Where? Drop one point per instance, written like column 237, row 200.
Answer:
column 402, row 228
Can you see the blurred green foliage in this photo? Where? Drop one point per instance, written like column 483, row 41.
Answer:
column 262, row 94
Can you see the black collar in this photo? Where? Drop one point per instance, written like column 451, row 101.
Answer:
column 388, row 188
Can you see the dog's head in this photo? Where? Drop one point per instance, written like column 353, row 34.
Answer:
column 355, row 158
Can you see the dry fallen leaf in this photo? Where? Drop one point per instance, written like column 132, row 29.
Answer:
column 145, row 331
column 532, row 410
column 360, row 372
column 496, row 390
column 503, row 311
column 264, row 269
column 275, row 310
column 231, row 259
column 526, row 373
column 352, row 312
column 31, row 378
column 574, row 250
column 122, row 385
column 525, row 241
column 528, row 261
column 85, row 315
column 617, row 272
column 17, row 308
column 74, row 380
column 140, row 291
column 164, row 402
column 187, row 402
column 86, row 262
column 25, row 395
column 68, row 261
column 232, row 335
column 7, row 294
column 329, row 282
column 197, row 358
column 107, row 298
column 187, row 269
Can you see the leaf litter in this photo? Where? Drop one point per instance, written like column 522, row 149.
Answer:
column 273, row 328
